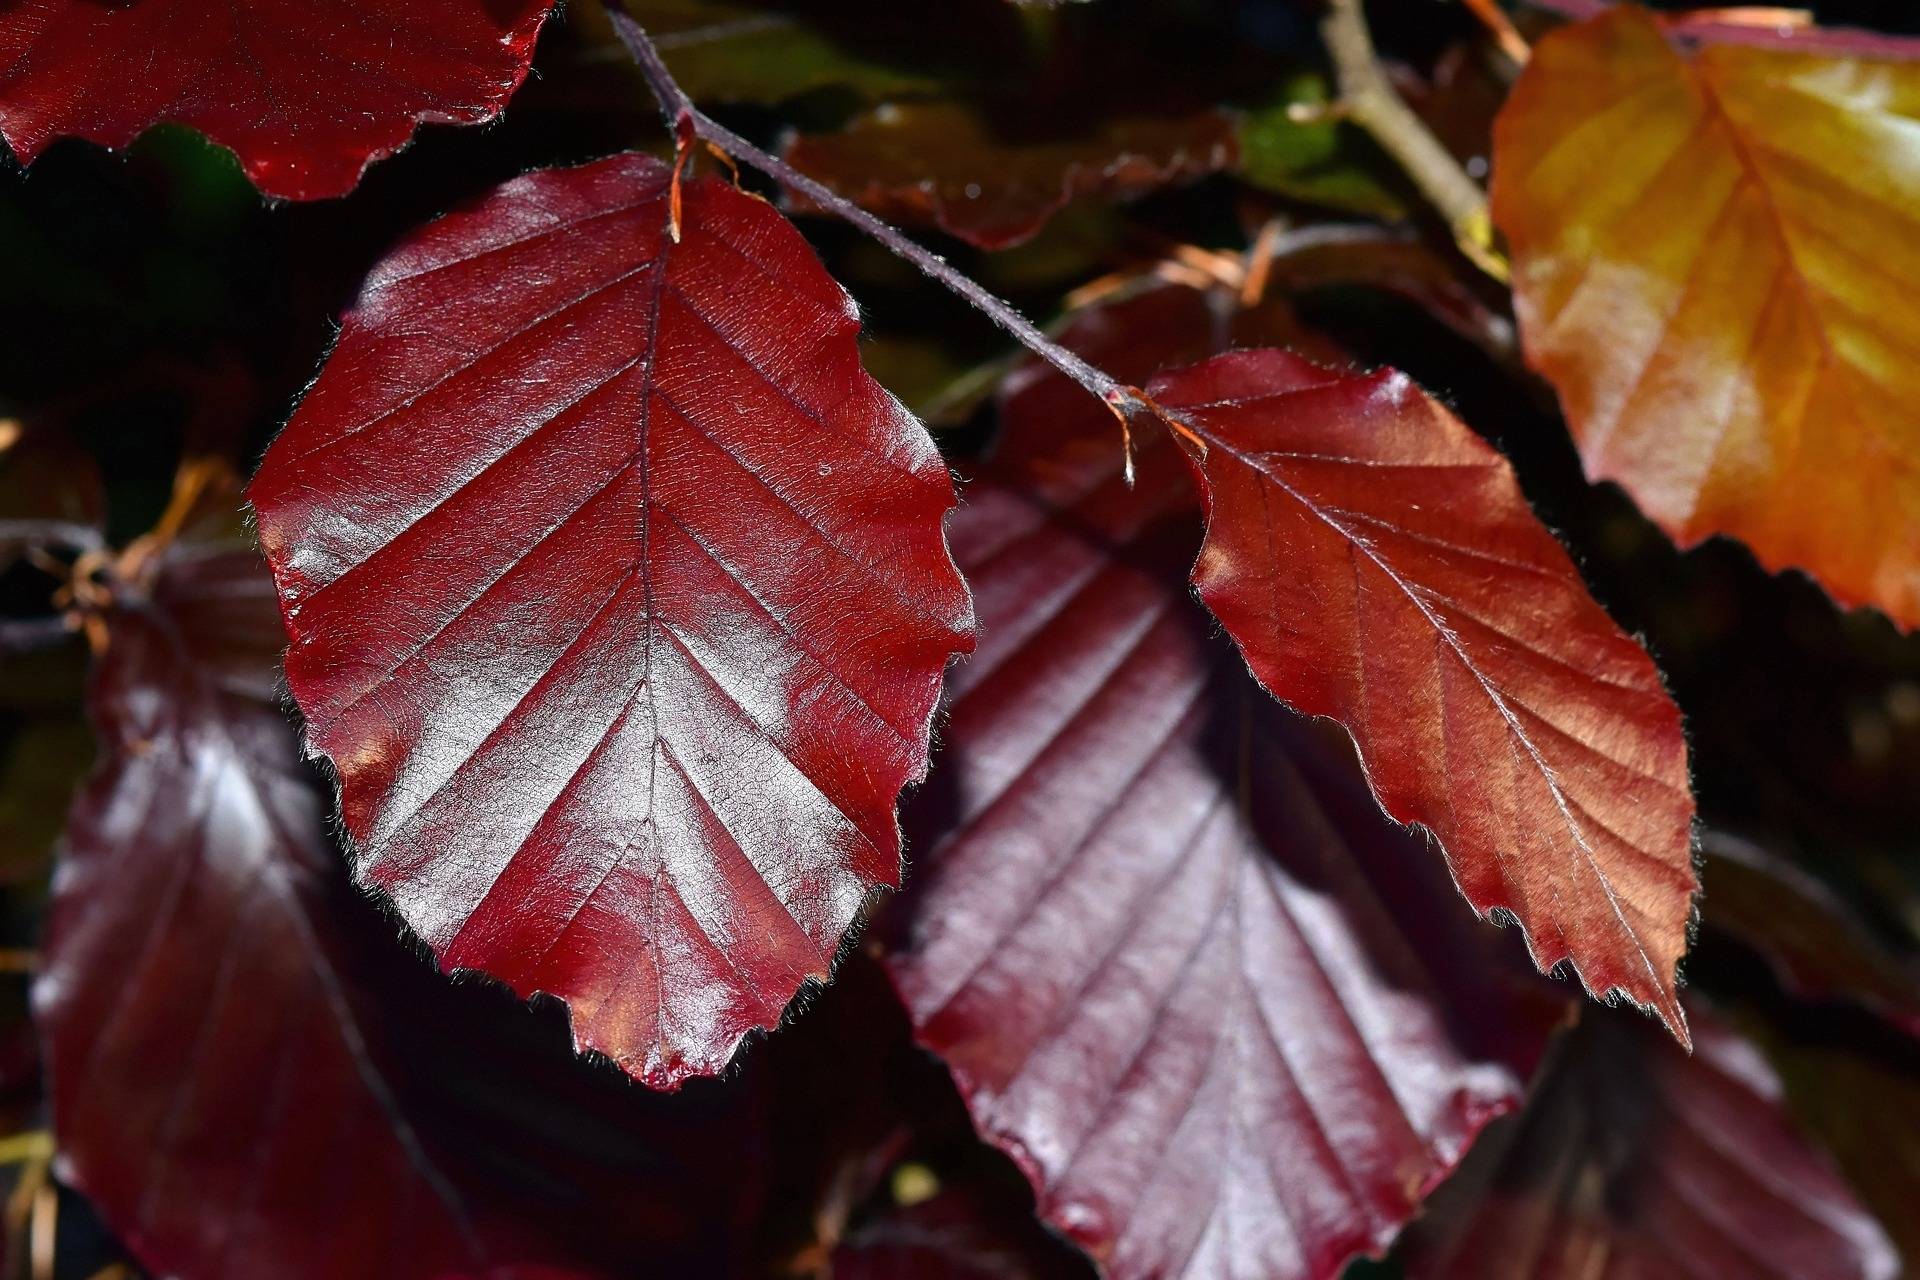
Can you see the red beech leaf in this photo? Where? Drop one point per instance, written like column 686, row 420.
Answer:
column 1703, row 239
column 306, row 92
column 250, row 1075
column 1636, row 1159
column 1376, row 563
column 1226, row 1017
column 943, row 163
column 619, row 599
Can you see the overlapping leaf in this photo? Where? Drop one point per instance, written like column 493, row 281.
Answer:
column 619, row 600
column 1704, row 243
column 1635, row 1159
column 1229, row 1020
column 1815, row 944
column 944, row 163
column 1376, row 563
column 249, row 1074
column 307, row 92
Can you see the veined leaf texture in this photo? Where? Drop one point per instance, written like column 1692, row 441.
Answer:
column 619, row 600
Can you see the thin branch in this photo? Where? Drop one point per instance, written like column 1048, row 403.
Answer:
column 1372, row 103
column 681, row 114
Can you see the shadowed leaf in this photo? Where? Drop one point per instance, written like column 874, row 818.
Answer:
column 1636, row 1159
column 1816, row 946
column 1324, row 161
column 945, row 164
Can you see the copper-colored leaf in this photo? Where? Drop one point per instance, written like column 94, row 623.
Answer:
column 1635, row 1159
column 1229, row 1020
column 250, row 1073
column 1705, row 244
column 307, row 92
column 944, row 163
column 619, row 600
column 1375, row 561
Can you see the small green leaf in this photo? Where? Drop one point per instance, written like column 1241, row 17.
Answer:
column 1323, row 161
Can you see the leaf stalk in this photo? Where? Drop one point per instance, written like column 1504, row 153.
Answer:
column 685, row 120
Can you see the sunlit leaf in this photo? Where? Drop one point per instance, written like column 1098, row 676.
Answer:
column 1705, row 244
column 250, row 1075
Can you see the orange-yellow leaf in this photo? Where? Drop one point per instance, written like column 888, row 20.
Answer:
column 1716, row 255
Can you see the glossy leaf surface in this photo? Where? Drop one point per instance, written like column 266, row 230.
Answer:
column 1229, row 1020
column 945, row 164
column 250, row 1074
column 1634, row 1159
column 1376, row 562
column 619, row 600
column 1704, row 241
column 306, row 92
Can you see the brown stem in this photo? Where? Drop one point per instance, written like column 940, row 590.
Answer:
column 1372, row 104
column 682, row 115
